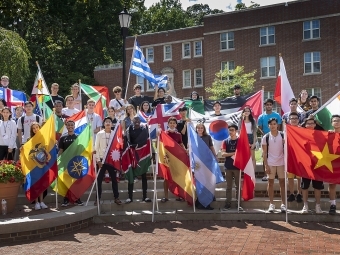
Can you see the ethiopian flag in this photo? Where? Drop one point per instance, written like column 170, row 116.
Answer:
column 313, row 154
column 76, row 169
column 174, row 166
column 326, row 111
column 39, row 161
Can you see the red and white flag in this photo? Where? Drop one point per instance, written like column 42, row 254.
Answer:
column 244, row 161
column 112, row 154
column 283, row 90
column 99, row 108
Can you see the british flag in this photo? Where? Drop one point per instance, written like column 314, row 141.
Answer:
column 13, row 98
column 161, row 115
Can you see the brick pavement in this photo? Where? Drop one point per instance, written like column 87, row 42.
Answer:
column 188, row 237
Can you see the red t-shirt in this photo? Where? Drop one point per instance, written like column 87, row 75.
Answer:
column 177, row 137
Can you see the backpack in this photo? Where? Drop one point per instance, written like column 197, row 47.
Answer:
column 37, row 119
column 267, row 139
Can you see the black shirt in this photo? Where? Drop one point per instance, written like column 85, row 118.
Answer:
column 66, row 140
column 216, row 115
column 55, row 98
column 138, row 100
column 138, row 136
column 158, row 101
column 180, row 126
column 317, row 127
column 230, row 146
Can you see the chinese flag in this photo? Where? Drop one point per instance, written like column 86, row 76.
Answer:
column 314, row 154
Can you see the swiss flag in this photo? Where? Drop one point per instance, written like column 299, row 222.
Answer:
column 112, row 154
column 244, row 161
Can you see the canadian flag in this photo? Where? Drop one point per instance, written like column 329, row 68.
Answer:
column 283, row 90
column 244, row 161
column 113, row 151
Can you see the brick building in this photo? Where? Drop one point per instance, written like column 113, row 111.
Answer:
column 305, row 32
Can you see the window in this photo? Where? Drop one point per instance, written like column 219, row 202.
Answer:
column 316, row 92
column 140, row 81
column 230, row 65
column 198, row 77
column 186, row 78
column 268, row 67
column 227, row 41
column 186, row 50
column 311, row 29
column 149, row 55
column 149, row 86
column 167, row 52
column 267, row 35
column 198, row 48
column 270, row 94
column 312, row 62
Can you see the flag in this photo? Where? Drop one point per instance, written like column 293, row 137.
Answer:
column 196, row 105
column 161, row 115
column 324, row 114
column 234, row 104
column 112, row 155
column 243, row 160
column 313, row 154
column 140, row 67
column 80, row 121
column 206, row 167
column 162, row 81
column 13, row 98
column 40, row 87
column 38, row 160
column 99, row 108
column 143, row 116
column 76, row 167
column 97, row 92
column 174, row 167
column 283, row 90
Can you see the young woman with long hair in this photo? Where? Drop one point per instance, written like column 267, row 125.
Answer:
column 8, row 134
column 303, row 101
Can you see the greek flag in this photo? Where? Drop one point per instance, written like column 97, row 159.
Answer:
column 140, row 67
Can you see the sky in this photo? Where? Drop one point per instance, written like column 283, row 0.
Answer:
column 225, row 5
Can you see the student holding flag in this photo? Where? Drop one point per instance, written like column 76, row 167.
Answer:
column 138, row 98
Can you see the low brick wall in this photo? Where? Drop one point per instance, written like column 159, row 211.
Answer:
column 45, row 232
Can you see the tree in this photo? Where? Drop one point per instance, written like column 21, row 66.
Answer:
column 196, row 12
column 242, row 6
column 224, row 82
column 14, row 56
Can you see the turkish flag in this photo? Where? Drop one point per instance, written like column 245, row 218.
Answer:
column 313, row 154
column 112, row 154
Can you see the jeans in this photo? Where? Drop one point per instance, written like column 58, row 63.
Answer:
column 229, row 174
column 112, row 173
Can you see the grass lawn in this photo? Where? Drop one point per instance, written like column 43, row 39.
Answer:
column 258, row 156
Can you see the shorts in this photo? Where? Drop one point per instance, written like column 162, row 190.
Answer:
column 279, row 170
column 292, row 176
column 316, row 184
column 250, row 138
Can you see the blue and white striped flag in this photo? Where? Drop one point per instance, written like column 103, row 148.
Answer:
column 140, row 67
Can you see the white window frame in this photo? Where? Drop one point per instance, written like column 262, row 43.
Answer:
column 149, row 87
column 268, row 67
column 228, row 65
column 201, row 49
column 183, row 74
column 140, row 81
column 267, row 35
column 312, row 62
column 195, row 77
column 227, row 40
column 315, row 91
column 147, row 52
column 183, row 50
column 311, row 29
column 270, row 94
column 165, row 52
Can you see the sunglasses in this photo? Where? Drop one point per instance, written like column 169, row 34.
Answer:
column 117, row 91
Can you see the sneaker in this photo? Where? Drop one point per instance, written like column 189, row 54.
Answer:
column 240, row 209
column 318, row 209
column 135, row 180
column 43, row 206
column 271, row 208
column 147, row 200
column 128, row 201
column 265, row 178
column 304, row 209
column 332, row 210
column 226, row 207
column 79, row 202
column 37, row 206
column 291, row 198
column 283, row 208
column 299, row 198
column 65, row 203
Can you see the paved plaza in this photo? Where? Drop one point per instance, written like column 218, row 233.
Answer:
column 190, row 237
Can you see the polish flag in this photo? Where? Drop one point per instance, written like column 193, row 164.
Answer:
column 283, row 90
column 244, row 161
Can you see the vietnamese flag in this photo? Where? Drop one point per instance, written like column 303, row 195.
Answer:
column 314, row 154
column 174, row 166
column 244, row 161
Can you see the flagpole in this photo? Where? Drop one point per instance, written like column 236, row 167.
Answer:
column 56, row 193
column 285, row 151
column 96, row 173
column 81, row 101
column 155, row 179
column 239, row 193
column 191, row 175
column 153, row 168
column 327, row 103
column 128, row 79
column 45, row 82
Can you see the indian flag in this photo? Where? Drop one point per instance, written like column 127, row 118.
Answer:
column 324, row 114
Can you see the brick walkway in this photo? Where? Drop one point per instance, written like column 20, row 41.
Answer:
column 222, row 237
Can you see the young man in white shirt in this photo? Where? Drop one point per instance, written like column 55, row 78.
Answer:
column 25, row 122
column 118, row 103
column 92, row 117
column 69, row 110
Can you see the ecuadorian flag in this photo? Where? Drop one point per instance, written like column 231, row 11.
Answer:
column 38, row 160
column 76, row 169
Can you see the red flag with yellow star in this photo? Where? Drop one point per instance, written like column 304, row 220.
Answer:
column 314, row 154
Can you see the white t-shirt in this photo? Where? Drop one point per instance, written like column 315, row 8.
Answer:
column 248, row 127
column 69, row 112
column 114, row 103
column 28, row 120
column 95, row 119
column 77, row 102
column 275, row 149
column 8, row 133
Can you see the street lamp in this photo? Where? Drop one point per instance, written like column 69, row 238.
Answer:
column 124, row 19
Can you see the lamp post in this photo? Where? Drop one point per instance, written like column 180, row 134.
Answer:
column 124, row 19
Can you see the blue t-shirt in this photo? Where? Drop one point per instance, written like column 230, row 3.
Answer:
column 263, row 120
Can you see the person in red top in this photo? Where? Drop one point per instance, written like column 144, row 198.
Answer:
column 177, row 137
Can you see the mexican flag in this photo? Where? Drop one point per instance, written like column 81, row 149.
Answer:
column 326, row 111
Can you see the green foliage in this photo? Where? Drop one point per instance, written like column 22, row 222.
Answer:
column 14, row 56
column 223, row 85
column 196, row 12
column 242, row 6
column 10, row 172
